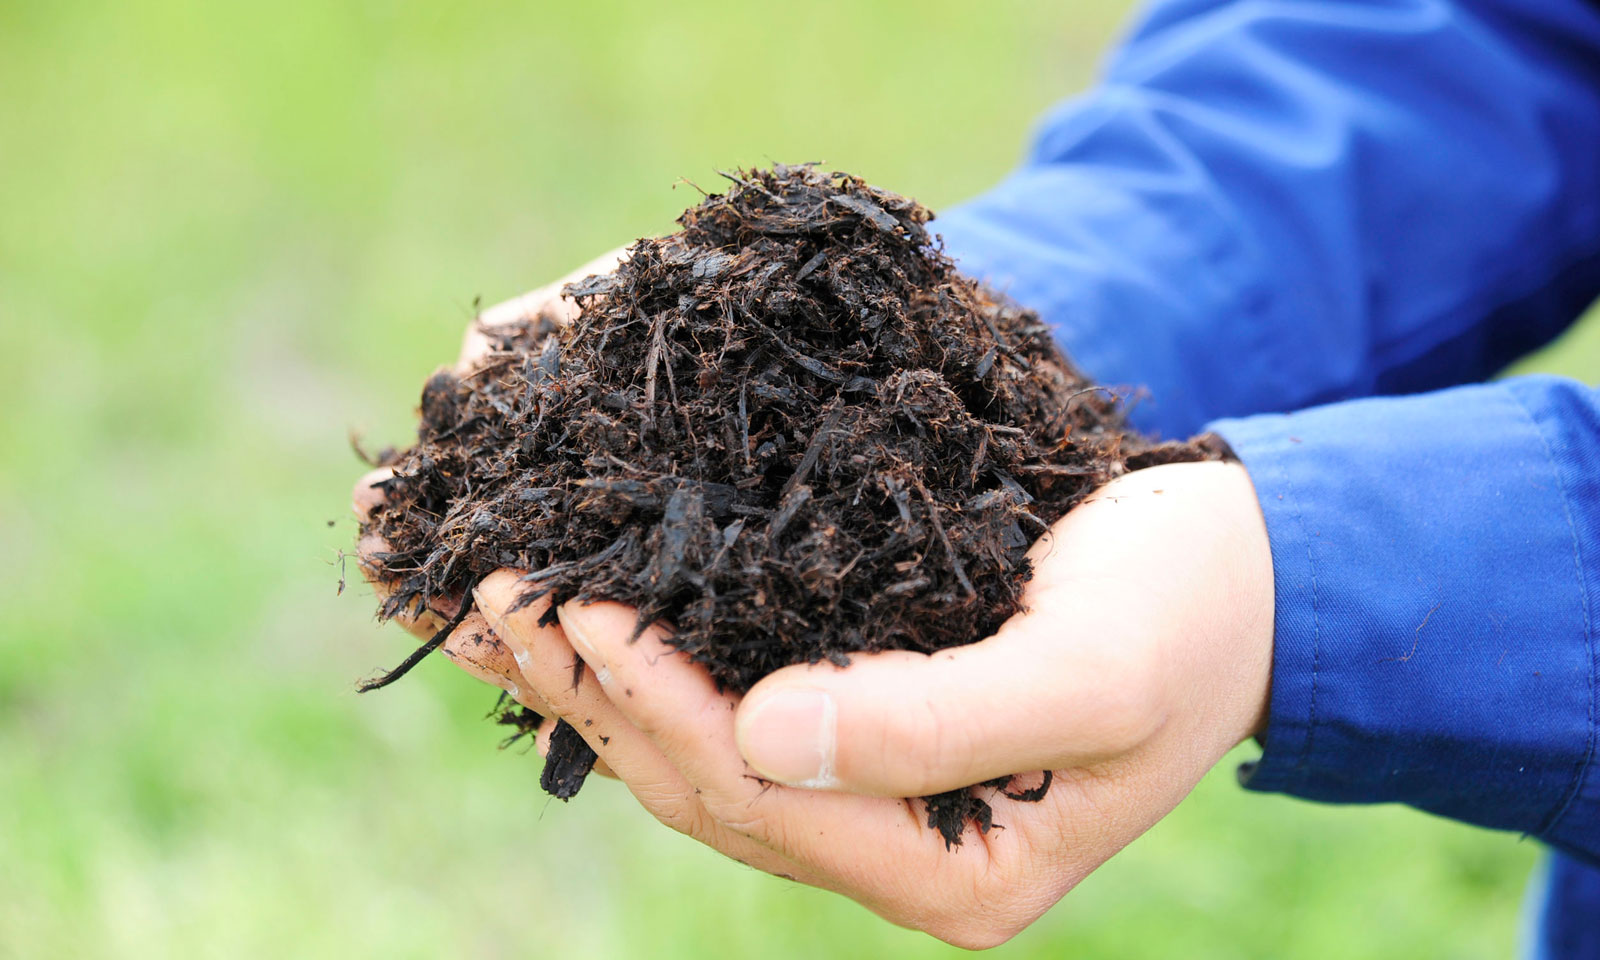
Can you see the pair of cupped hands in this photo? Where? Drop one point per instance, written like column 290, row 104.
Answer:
column 1142, row 657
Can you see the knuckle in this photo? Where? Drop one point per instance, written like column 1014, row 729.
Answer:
column 756, row 826
column 742, row 816
column 670, row 806
column 1128, row 710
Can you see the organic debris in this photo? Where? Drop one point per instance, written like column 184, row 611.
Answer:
column 791, row 430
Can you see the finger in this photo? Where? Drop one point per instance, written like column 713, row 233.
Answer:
column 546, row 659
column 877, row 851
column 423, row 623
column 1066, row 683
column 674, row 703
column 367, row 494
column 473, row 647
column 662, row 695
column 903, row 724
column 547, row 300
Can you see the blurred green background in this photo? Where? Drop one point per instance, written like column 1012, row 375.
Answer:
column 231, row 231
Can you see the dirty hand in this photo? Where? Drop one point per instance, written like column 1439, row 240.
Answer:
column 1143, row 657
column 471, row 645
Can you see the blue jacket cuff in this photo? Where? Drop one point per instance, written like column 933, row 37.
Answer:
column 1433, row 559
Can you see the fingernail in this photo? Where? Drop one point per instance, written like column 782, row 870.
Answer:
column 790, row 737
column 490, row 611
column 572, row 626
column 494, row 594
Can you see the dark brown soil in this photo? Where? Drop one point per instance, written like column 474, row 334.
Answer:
column 790, row 430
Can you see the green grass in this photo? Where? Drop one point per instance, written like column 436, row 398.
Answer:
column 229, row 231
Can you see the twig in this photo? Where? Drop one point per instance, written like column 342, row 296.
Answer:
column 418, row 655
column 950, row 551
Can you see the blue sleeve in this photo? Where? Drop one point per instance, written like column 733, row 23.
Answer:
column 1565, row 925
column 1437, row 568
column 1270, row 204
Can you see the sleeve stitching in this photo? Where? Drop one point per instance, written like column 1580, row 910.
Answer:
column 1303, row 764
column 1581, row 774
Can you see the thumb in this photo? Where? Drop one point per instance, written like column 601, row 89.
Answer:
column 904, row 724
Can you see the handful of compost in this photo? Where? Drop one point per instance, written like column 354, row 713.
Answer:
column 791, row 430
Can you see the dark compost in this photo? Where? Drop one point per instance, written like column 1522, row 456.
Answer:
column 792, row 430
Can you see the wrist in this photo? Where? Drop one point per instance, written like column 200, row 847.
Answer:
column 1225, row 629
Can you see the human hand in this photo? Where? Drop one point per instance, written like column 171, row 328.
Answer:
column 1143, row 657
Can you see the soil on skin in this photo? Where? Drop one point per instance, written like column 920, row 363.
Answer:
column 791, row 430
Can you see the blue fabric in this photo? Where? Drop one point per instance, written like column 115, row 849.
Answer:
column 1565, row 925
column 1267, row 207
column 1437, row 567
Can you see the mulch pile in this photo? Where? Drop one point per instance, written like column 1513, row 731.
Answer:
column 791, row 430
